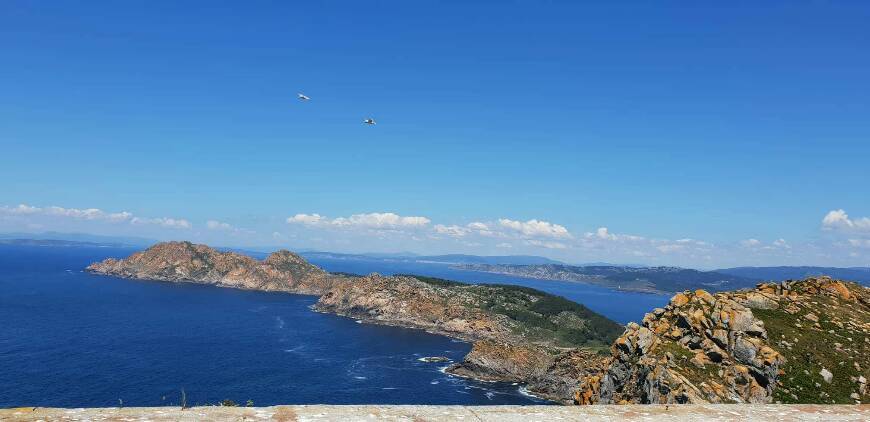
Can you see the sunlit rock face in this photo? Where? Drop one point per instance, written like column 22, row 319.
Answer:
column 780, row 342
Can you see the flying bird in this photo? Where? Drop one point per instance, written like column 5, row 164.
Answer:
column 369, row 121
column 303, row 97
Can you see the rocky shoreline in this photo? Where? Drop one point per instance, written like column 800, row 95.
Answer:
column 805, row 341
column 518, row 334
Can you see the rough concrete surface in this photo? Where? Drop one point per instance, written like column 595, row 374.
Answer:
column 735, row 412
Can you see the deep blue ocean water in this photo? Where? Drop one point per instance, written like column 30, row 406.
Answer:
column 72, row 339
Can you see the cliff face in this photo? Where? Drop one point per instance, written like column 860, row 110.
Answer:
column 519, row 334
column 409, row 302
column 186, row 262
column 796, row 341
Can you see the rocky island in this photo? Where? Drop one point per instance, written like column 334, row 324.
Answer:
column 805, row 341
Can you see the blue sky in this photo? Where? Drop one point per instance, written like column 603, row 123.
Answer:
column 659, row 121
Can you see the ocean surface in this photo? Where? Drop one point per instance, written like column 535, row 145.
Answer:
column 72, row 339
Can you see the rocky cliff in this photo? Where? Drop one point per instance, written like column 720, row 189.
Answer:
column 792, row 342
column 519, row 334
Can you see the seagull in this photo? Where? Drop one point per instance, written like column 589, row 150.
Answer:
column 369, row 121
column 303, row 97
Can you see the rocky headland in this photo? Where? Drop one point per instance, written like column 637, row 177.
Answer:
column 282, row 271
column 805, row 341
column 518, row 334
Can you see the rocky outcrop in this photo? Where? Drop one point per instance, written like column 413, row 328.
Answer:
column 497, row 361
column 409, row 302
column 187, row 262
column 515, row 330
column 742, row 347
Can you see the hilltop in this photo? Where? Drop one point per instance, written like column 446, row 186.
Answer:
column 519, row 334
column 802, row 341
column 187, row 262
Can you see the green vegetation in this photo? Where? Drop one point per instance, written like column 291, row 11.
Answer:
column 808, row 349
column 542, row 316
column 439, row 282
column 682, row 357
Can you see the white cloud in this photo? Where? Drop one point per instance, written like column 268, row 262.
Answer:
column 602, row 233
column 483, row 229
column 839, row 220
column 536, row 228
column 372, row 221
column 750, row 243
column 860, row 243
column 477, row 225
column 227, row 227
column 82, row 214
column 504, row 245
column 381, row 220
column 546, row 244
column 670, row 248
column 452, row 230
column 307, row 219
column 217, row 225
column 171, row 223
column 781, row 243
column 93, row 214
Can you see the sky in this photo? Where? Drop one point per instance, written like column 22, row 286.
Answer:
column 662, row 133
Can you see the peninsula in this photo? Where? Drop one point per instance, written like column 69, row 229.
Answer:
column 804, row 341
column 518, row 334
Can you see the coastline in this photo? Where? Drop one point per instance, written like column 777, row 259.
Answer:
column 584, row 282
column 360, row 319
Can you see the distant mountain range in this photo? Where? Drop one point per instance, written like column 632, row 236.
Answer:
column 453, row 259
column 639, row 279
column 83, row 239
column 631, row 277
column 58, row 243
column 859, row 274
column 669, row 279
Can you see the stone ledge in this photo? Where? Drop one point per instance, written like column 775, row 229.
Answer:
column 449, row 413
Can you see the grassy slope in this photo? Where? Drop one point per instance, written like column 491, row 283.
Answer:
column 808, row 349
column 541, row 316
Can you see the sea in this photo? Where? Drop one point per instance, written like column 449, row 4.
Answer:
column 73, row 339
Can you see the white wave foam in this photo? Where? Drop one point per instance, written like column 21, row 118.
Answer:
column 525, row 392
